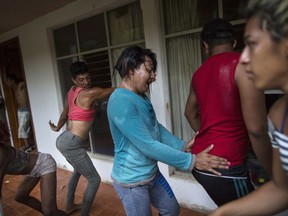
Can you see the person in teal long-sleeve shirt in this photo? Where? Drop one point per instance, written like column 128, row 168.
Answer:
column 141, row 141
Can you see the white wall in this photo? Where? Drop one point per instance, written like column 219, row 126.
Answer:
column 44, row 91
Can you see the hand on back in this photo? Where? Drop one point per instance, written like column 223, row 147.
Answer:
column 207, row 162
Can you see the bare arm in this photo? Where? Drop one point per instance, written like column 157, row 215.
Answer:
column 97, row 93
column 3, row 165
column 269, row 199
column 62, row 119
column 191, row 110
column 255, row 117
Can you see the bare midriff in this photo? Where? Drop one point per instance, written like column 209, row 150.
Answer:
column 80, row 128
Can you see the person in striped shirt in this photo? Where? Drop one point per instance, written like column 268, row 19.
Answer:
column 265, row 58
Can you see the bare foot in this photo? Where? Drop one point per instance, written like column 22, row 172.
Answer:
column 72, row 208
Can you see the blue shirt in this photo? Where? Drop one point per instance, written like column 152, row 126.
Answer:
column 140, row 140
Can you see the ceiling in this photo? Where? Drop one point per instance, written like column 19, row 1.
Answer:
column 14, row 13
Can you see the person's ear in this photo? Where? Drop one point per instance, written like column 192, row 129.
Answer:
column 73, row 80
column 131, row 72
column 206, row 47
column 234, row 43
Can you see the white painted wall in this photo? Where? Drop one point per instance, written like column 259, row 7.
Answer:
column 44, row 92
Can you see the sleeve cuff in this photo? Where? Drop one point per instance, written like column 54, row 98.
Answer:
column 192, row 162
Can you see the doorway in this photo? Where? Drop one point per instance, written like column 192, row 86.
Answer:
column 11, row 63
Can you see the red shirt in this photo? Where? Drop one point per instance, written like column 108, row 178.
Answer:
column 221, row 120
column 75, row 112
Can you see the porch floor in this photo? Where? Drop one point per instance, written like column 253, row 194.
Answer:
column 106, row 203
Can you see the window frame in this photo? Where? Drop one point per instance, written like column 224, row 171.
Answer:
column 79, row 55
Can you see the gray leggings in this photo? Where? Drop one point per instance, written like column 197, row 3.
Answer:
column 71, row 148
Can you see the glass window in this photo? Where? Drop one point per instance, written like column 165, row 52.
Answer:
column 65, row 76
column 181, row 15
column 233, row 10
column 184, row 54
column 92, row 33
column 126, row 24
column 125, row 27
column 100, row 137
column 65, row 41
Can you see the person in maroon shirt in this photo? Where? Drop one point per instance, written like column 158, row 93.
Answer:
column 266, row 64
column 227, row 111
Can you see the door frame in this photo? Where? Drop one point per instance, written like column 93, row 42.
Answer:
column 10, row 54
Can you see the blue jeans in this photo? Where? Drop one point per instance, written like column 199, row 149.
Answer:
column 71, row 148
column 137, row 200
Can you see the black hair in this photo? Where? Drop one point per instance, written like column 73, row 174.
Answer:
column 217, row 32
column 12, row 77
column 78, row 68
column 272, row 15
column 131, row 58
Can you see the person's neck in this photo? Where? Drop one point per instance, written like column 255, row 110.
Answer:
column 220, row 49
column 126, row 84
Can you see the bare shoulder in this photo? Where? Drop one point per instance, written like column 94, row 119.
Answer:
column 240, row 70
column 91, row 92
column 245, row 85
column 97, row 92
column 241, row 77
column 277, row 111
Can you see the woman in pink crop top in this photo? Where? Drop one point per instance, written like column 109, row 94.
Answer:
column 78, row 112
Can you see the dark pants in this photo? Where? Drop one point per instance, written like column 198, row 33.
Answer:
column 233, row 184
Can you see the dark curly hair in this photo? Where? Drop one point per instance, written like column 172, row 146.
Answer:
column 78, row 68
column 131, row 58
column 217, row 32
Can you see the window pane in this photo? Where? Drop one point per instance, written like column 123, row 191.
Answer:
column 101, row 139
column 92, row 33
column 183, row 58
column 102, row 142
column 98, row 64
column 65, row 40
column 125, row 24
column 233, row 9
column 181, row 15
column 65, row 76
